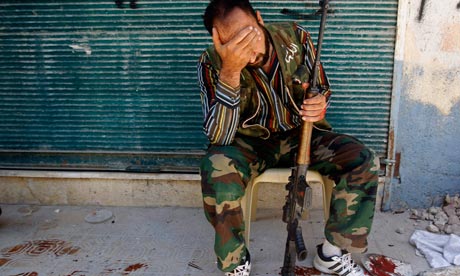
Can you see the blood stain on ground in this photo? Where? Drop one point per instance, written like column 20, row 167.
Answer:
column 14, row 249
column 39, row 247
column 306, row 271
column 27, row 274
column 134, row 267
column 382, row 266
column 78, row 273
column 3, row 261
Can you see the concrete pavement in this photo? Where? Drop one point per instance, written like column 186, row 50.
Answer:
column 177, row 241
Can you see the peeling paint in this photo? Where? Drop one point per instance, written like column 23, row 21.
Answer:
column 451, row 38
column 84, row 48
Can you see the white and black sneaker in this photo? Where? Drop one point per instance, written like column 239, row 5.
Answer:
column 244, row 269
column 338, row 265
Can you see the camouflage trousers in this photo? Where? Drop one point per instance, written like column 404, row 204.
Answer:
column 226, row 170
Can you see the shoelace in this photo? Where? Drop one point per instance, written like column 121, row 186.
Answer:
column 348, row 265
column 241, row 270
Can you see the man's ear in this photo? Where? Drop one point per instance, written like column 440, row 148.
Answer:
column 259, row 18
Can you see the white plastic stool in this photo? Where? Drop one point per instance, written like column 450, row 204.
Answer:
column 279, row 175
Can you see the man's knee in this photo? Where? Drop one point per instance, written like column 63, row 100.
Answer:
column 360, row 156
column 220, row 178
column 216, row 165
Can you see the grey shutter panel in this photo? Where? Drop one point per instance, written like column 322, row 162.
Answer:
column 87, row 85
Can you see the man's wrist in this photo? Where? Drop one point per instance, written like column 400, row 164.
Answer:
column 230, row 78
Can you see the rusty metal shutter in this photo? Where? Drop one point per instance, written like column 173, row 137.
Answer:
column 89, row 85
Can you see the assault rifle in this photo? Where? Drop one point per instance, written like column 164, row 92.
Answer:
column 299, row 192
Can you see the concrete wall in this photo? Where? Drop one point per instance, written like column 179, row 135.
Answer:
column 426, row 104
column 122, row 189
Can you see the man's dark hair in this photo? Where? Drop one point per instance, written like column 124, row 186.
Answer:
column 220, row 8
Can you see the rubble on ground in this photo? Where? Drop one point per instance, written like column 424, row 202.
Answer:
column 443, row 220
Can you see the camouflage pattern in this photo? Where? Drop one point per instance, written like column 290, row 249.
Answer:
column 226, row 170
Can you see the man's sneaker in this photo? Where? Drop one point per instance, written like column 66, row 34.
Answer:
column 338, row 265
column 243, row 269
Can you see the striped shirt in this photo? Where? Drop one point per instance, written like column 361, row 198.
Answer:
column 220, row 102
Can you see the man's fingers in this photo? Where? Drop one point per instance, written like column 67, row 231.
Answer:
column 318, row 99
column 248, row 41
column 242, row 41
column 313, row 108
column 312, row 111
column 312, row 115
column 251, row 37
column 245, row 34
column 313, row 119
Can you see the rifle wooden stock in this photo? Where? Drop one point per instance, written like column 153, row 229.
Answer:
column 303, row 154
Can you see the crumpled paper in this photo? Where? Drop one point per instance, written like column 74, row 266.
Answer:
column 439, row 250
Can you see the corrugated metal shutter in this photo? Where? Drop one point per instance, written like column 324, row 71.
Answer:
column 89, row 85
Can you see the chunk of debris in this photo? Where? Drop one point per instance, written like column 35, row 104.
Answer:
column 432, row 228
column 400, row 230
column 445, row 219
